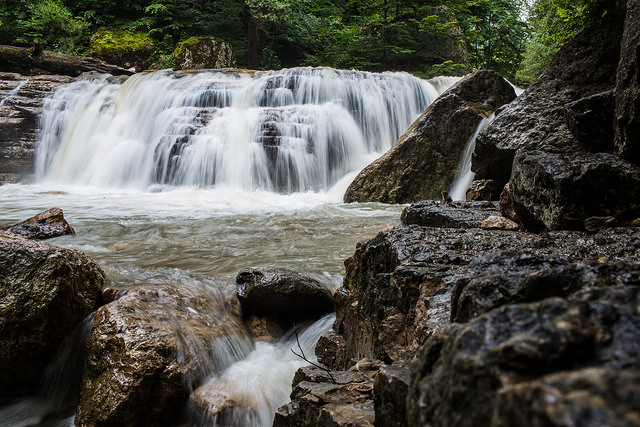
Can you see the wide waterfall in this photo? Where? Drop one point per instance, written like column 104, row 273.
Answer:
column 293, row 130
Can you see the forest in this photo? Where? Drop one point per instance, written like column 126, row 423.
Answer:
column 516, row 38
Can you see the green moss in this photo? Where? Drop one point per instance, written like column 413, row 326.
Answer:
column 190, row 42
column 113, row 40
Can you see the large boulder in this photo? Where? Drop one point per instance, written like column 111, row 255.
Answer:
column 282, row 294
column 148, row 350
column 204, row 52
column 121, row 47
column 627, row 114
column 467, row 214
column 585, row 66
column 590, row 120
column 425, row 159
column 20, row 110
column 45, row 225
column 560, row 191
column 46, row 291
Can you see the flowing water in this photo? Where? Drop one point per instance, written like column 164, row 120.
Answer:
column 187, row 178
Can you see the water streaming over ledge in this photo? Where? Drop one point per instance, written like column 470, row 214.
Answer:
column 292, row 130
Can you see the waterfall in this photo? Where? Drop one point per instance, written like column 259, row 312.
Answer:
column 293, row 130
column 464, row 177
column 13, row 92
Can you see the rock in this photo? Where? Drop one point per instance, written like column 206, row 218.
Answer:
column 468, row 214
column 20, row 110
column 331, row 350
column 556, row 191
column 590, row 121
column 282, row 293
column 216, row 404
column 627, row 112
column 204, row 52
column 499, row 223
column 390, row 389
column 482, row 189
column 506, row 206
column 595, row 223
column 46, row 292
column 535, row 120
column 45, row 225
column 148, row 350
column 121, row 47
column 424, row 160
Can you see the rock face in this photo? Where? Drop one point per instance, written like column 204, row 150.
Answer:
column 468, row 214
column 45, row 225
column 627, row 114
column 424, row 160
column 282, row 294
column 121, row 47
column 557, row 191
column 204, row 52
column 149, row 349
column 590, row 121
column 20, row 109
column 45, row 292
column 584, row 66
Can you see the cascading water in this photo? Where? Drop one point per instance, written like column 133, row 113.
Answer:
column 287, row 131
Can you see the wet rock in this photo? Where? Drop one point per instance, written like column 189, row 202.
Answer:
column 331, row 350
column 627, row 112
column 499, row 223
column 218, row 405
column 535, row 120
column 506, row 206
column 390, row 389
column 556, row 191
column 424, row 160
column 204, row 52
column 20, row 109
column 45, row 292
column 121, row 47
column 282, row 293
column 482, row 189
column 467, row 214
column 148, row 350
column 595, row 223
column 590, row 121
column 45, row 225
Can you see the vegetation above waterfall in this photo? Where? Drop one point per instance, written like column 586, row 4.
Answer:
column 426, row 38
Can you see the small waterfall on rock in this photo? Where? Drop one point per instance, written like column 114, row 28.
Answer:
column 286, row 131
column 13, row 91
column 462, row 181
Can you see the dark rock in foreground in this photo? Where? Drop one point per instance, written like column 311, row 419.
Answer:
column 429, row 213
column 425, row 159
column 46, row 291
column 282, row 294
column 148, row 350
column 590, row 120
column 45, row 225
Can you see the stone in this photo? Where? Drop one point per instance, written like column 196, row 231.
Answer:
column 216, row 404
column 499, row 223
column 536, row 119
column 204, row 53
column 424, row 160
column 627, row 109
column 121, row 47
column 482, row 189
column 282, row 293
column 595, row 223
column 467, row 214
column 45, row 225
column 46, row 291
column 390, row 389
column 560, row 191
column 506, row 206
column 590, row 121
column 148, row 350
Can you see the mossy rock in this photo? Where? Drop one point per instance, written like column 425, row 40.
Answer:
column 204, row 52
column 120, row 47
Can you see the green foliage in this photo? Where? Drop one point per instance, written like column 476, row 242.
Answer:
column 116, row 39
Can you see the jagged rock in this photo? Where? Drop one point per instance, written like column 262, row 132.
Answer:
column 390, row 389
column 45, row 225
column 499, row 223
column 282, row 293
column 590, row 121
column 20, row 110
column 149, row 349
column 535, row 120
column 204, row 52
column 216, row 404
column 556, row 191
column 468, row 214
column 506, row 206
column 123, row 48
column 482, row 189
column 424, row 160
column 627, row 113
column 45, row 292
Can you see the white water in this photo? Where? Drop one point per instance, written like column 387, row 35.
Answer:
column 287, row 131
column 13, row 91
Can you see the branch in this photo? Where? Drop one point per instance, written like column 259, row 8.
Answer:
column 304, row 357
